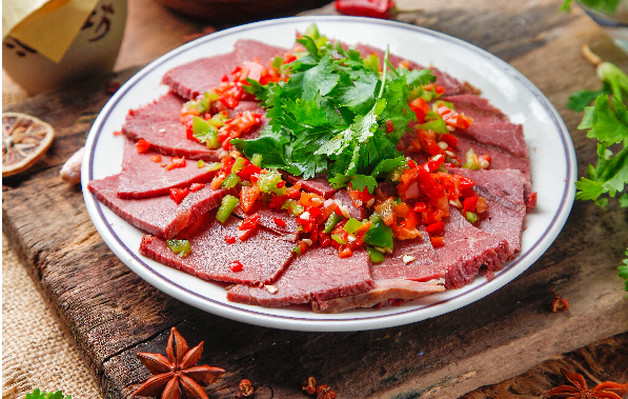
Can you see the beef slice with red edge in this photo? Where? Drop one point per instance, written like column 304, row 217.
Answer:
column 194, row 78
column 144, row 177
column 316, row 275
column 214, row 257
column 160, row 216
column 506, row 208
column 387, row 292
column 466, row 249
column 159, row 123
column 413, row 259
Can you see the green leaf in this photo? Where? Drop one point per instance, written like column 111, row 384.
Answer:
column 623, row 270
column 581, row 99
column 37, row 394
column 608, row 124
column 360, row 182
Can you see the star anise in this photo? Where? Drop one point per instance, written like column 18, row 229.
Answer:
column 177, row 376
column 580, row 390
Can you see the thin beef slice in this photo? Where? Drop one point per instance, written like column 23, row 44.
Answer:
column 468, row 248
column 413, row 259
column 160, row 216
column 506, row 208
column 192, row 79
column 160, row 124
column 385, row 293
column 143, row 177
column 317, row 275
column 263, row 255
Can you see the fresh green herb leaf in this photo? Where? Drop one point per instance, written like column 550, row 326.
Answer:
column 607, row 6
column 623, row 270
column 578, row 101
column 37, row 394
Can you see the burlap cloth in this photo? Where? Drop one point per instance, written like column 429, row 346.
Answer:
column 37, row 352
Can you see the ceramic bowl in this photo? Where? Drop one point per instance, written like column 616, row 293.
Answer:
column 615, row 23
column 93, row 51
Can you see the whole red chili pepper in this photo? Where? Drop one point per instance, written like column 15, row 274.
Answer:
column 366, row 8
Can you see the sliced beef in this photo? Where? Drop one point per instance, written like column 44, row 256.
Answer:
column 254, row 50
column 413, row 259
column 504, row 135
column 478, row 108
column 137, row 167
column 160, row 216
column 466, row 249
column 269, row 219
column 263, row 256
column 196, row 77
column 504, row 192
column 500, row 159
column 160, row 124
column 317, row 275
column 385, row 293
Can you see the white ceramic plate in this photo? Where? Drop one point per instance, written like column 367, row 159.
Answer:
column 552, row 156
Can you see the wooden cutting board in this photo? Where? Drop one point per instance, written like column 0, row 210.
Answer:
column 113, row 314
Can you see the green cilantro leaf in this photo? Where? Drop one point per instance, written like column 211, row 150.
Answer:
column 623, row 270
column 37, row 394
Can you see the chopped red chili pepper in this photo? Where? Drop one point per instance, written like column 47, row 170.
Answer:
column 469, row 204
column 236, row 266
column 142, row 146
column 437, row 242
column 230, row 239
column 389, row 126
column 196, row 186
column 155, row 158
column 279, row 222
column 250, row 222
column 435, row 229
column 176, row 162
column 178, row 194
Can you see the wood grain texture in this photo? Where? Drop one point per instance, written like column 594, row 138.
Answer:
column 113, row 314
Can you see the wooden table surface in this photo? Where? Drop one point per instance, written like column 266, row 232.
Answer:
column 113, row 314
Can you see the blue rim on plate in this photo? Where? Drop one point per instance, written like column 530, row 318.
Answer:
column 553, row 164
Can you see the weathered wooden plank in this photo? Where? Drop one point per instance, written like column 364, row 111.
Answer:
column 114, row 314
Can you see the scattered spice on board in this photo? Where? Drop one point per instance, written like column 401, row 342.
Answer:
column 177, row 375
column 559, row 304
column 321, row 391
column 579, row 389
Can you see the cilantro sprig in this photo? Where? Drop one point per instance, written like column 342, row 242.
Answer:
column 606, row 121
column 37, row 394
column 337, row 114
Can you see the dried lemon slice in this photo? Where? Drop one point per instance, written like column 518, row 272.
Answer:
column 24, row 140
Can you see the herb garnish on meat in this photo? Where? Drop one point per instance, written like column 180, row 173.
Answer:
column 338, row 114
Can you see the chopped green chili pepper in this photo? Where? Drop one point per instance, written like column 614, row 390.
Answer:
column 472, row 217
column 181, row 248
column 379, row 234
column 375, row 255
column 352, row 225
column 331, row 222
column 229, row 202
column 230, row 181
